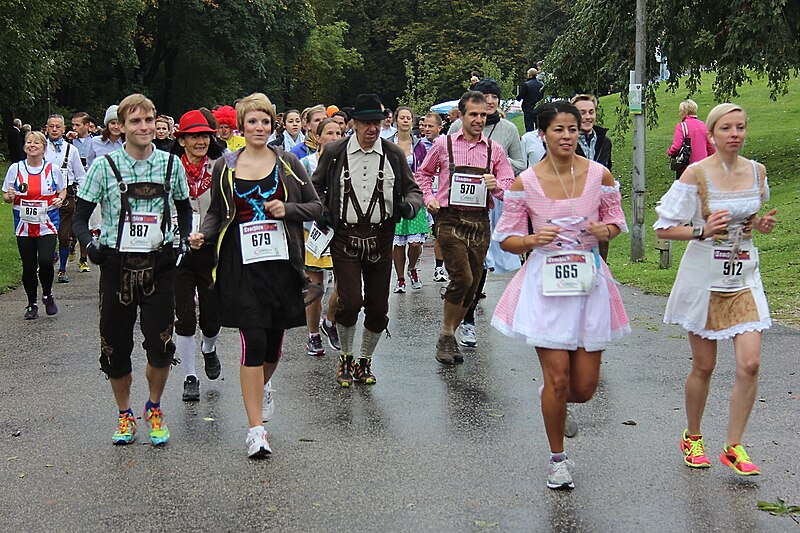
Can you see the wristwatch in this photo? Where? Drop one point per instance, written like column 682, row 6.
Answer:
column 697, row 233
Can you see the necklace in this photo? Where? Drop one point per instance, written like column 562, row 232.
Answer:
column 570, row 196
column 725, row 167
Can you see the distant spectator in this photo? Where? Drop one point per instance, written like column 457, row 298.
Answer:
column 701, row 145
column 387, row 127
column 530, row 93
column 16, row 150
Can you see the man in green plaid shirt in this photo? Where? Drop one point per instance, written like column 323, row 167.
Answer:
column 135, row 187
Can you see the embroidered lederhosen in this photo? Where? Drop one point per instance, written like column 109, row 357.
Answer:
column 137, row 270
column 728, row 308
column 362, row 237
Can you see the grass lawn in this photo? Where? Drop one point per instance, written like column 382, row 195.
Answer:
column 773, row 139
column 10, row 265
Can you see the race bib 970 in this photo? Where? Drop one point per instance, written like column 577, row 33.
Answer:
column 468, row 190
column 263, row 240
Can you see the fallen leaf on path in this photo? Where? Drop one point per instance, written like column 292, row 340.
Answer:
column 209, row 419
column 16, row 433
column 48, row 465
column 495, row 413
column 484, row 523
column 305, row 439
column 629, row 423
column 21, row 475
column 12, row 458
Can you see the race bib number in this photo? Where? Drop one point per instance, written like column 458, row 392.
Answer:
column 319, row 241
column 729, row 273
column 176, row 240
column 568, row 273
column 468, row 190
column 33, row 211
column 263, row 240
column 141, row 232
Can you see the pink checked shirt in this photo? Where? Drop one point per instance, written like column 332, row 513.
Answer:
column 464, row 154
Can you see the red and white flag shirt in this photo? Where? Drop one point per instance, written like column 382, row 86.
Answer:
column 36, row 188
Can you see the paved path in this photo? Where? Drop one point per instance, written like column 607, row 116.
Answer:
column 426, row 449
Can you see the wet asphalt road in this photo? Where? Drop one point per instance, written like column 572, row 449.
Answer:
column 426, row 449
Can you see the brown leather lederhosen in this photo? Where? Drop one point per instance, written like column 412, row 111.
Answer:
column 67, row 209
column 137, row 272
column 463, row 234
column 362, row 252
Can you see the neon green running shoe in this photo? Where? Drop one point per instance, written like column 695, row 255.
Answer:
column 159, row 432
column 736, row 457
column 126, row 429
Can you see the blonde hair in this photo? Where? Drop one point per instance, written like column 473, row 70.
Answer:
column 720, row 111
column 254, row 102
column 688, row 108
column 311, row 111
column 131, row 103
column 584, row 98
column 39, row 137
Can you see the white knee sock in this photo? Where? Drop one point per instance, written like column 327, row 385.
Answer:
column 184, row 350
column 347, row 335
column 209, row 344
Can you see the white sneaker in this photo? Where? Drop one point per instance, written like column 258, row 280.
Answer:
column 439, row 274
column 560, row 475
column 416, row 283
column 400, row 287
column 268, row 404
column 257, row 445
column 467, row 335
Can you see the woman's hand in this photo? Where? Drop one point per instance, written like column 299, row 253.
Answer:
column 717, row 223
column 600, row 230
column 58, row 202
column 196, row 240
column 10, row 195
column 766, row 223
column 543, row 237
column 275, row 208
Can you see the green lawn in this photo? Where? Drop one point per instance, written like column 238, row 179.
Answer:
column 773, row 139
column 10, row 266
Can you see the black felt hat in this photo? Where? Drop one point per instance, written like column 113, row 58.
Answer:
column 368, row 108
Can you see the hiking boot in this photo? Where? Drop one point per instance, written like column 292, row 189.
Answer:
column 344, row 376
column 314, row 345
column 159, row 432
column 400, row 286
column 694, row 452
column 257, row 445
column 31, row 312
column 560, row 475
column 213, row 368
column 363, row 371
column 126, row 429
column 736, row 457
column 415, row 281
column 467, row 335
column 50, row 306
column 191, row 389
column 62, row 276
column 331, row 333
column 447, row 350
column 439, row 274
column 83, row 266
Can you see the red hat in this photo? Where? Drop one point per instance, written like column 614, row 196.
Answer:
column 193, row 122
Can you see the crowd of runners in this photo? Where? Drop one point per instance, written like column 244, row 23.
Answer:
column 237, row 217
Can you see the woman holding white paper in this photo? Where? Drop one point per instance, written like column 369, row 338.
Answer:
column 260, row 196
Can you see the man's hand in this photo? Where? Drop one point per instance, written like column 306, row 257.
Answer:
column 406, row 210
column 433, row 206
column 491, row 182
column 196, row 240
column 96, row 254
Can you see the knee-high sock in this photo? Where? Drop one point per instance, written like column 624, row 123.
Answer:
column 347, row 335
column 184, row 350
column 209, row 344
column 63, row 254
column 369, row 340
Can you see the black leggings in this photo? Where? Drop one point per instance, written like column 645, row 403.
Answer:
column 260, row 345
column 37, row 253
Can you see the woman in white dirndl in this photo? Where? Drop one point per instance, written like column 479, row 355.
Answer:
column 718, row 292
column 563, row 301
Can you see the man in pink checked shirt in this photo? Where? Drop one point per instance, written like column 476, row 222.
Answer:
column 471, row 169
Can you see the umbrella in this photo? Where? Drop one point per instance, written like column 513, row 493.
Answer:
column 444, row 107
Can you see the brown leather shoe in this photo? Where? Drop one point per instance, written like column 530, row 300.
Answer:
column 447, row 350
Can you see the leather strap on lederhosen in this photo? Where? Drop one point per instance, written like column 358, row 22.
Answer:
column 362, row 236
column 138, row 269
column 465, row 169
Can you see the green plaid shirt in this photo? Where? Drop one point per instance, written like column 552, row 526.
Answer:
column 100, row 187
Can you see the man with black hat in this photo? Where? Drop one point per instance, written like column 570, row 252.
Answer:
column 505, row 133
column 471, row 168
column 365, row 186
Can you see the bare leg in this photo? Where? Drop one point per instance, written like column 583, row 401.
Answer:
column 333, row 301
column 156, row 381
column 584, row 373
column 314, row 310
column 747, row 347
column 414, row 251
column 399, row 258
column 704, row 359
column 556, row 370
column 252, row 379
column 122, row 391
